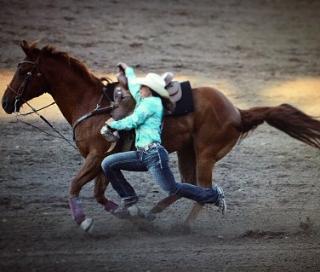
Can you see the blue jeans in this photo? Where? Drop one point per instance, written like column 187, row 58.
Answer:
column 155, row 160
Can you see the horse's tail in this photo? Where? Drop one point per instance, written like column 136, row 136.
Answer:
column 285, row 118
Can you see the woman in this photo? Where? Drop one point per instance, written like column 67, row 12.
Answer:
column 151, row 99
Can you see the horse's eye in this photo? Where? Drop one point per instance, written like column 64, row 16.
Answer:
column 20, row 71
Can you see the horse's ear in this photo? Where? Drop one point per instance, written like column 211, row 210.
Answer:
column 29, row 49
column 25, row 47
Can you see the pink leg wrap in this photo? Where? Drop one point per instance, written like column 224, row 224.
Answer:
column 76, row 210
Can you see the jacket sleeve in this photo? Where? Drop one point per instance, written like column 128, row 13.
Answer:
column 138, row 117
column 134, row 88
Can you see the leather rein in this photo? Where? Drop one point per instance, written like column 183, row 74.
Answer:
column 96, row 111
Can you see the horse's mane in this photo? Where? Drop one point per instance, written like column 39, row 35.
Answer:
column 75, row 64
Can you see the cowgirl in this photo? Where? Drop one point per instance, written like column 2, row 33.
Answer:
column 151, row 98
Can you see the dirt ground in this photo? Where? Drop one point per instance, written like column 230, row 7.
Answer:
column 258, row 53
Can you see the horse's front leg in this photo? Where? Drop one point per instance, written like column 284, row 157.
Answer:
column 88, row 171
column 100, row 186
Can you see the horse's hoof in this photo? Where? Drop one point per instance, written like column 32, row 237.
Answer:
column 87, row 224
column 134, row 210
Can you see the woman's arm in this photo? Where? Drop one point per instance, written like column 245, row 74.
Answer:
column 134, row 88
column 138, row 117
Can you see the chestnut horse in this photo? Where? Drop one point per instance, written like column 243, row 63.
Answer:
column 200, row 138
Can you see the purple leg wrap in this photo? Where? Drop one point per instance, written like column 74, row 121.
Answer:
column 76, row 210
column 110, row 206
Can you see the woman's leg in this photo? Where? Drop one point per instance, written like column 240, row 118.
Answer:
column 200, row 194
column 112, row 166
column 157, row 163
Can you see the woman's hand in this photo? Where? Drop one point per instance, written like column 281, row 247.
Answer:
column 108, row 133
column 122, row 66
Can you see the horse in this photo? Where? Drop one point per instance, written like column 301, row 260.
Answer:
column 200, row 138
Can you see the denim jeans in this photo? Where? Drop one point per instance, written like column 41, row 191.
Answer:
column 155, row 160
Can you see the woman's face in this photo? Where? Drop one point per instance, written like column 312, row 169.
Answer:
column 145, row 91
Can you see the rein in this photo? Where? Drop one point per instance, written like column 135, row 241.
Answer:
column 61, row 136
column 31, row 112
column 96, row 111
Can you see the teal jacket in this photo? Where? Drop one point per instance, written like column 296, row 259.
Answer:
column 146, row 118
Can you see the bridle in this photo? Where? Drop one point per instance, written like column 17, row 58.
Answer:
column 23, row 86
column 24, row 83
column 19, row 93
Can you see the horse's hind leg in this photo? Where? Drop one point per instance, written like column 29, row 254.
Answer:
column 88, row 171
column 187, row 164
column 204, row 168
column 186, row 161
column 194, row 213
column 206, row 160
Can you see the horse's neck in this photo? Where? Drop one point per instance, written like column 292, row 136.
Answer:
column 74, row 95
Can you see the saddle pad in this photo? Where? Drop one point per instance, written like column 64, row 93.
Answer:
column 185, row 104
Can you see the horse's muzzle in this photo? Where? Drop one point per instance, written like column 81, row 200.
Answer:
column 7, row 106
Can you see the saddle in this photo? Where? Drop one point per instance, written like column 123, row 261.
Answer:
column 173, row 87
column 180, row 94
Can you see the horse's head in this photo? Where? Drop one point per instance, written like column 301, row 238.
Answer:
column 28, row 81
column 124, row 101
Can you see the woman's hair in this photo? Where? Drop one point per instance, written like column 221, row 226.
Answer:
column 167, row 104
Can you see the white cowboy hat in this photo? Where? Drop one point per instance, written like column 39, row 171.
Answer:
column 154, row 82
